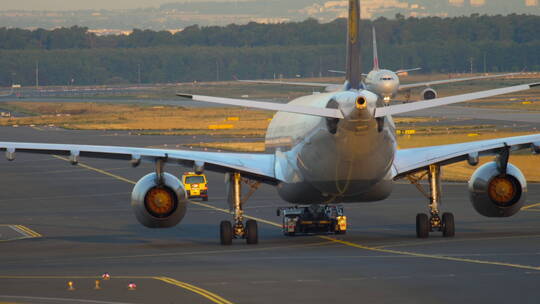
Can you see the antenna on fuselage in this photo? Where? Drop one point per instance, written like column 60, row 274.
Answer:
column 354, row 70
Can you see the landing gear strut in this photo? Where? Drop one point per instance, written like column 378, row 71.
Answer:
column 237, row 229
column 425, row 224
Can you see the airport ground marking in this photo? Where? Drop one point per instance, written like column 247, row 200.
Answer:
column 214, row 298
column 445, row 241
column 251, row 250
column 528, row 207
column 335, row 240
column 431, row 256
column 26, row 233
column 56, row 300
column 202, row 292
column 98, row 170
column 29, row 231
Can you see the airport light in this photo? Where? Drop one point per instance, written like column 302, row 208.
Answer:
column 132, row 286
column 106, row 276
column 71, row 286
column 98, row 285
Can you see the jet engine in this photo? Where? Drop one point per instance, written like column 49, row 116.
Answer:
column 428, row 93
column 494, row 194
column 159, row 204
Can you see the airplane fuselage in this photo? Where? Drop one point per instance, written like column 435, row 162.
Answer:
column 384, row 83
column 324, row 160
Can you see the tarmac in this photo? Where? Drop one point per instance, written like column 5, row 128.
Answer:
column 61, row 223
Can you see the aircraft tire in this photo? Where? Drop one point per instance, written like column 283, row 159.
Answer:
column 422, row 226
column 225, row 233
column 252, row 232
column 448, row 225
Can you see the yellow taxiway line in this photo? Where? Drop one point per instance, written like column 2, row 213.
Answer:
column 214, row 298
column 530, row 206
column 25, row 232
column 29, row 232
column 98, row 171
column 202, row 292
column 346, row 243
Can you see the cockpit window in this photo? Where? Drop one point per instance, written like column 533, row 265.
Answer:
column 386, row 78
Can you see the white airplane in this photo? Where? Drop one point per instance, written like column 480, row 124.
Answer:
column 385, row 83
column 337, row 147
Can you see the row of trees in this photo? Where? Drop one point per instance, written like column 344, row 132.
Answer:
column 399, row 31
column 188, row 63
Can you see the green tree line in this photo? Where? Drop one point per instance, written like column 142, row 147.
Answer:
column 504, row 43
column 399, row 31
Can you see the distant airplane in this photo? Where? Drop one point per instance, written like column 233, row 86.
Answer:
column 385, row 83
column 328, row 148
column 10, row 94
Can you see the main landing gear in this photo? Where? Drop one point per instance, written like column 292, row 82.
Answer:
column 425, row 224
column 238, row 230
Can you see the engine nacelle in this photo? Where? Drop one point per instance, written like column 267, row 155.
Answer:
column 497, row 195
column 160, row 206
column 428, row 93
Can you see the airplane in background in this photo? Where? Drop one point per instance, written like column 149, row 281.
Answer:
column 329, row 148
column 385, row 83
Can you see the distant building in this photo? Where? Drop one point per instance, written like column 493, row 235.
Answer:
column 478, row 2
column 456, row 2
column 531, row 2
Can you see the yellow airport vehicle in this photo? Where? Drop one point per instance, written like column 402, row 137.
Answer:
column 196, row 185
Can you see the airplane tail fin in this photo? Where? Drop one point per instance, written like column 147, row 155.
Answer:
column 375, row 53
column 354, row 71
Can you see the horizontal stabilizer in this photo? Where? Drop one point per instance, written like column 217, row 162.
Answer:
column 425, row 104
column 306, row 110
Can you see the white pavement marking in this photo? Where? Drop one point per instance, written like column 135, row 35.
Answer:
column 56, row 300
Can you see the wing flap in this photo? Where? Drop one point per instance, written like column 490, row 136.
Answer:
column 306, row 110
column 411, row 160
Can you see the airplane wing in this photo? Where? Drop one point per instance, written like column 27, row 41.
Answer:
column 430, row 83
column 304, row 84
column 407, row 70
column 259, row 165
column 328, row 87
column 424, row 104
column 337, row 72
column 343, row 72
column 272, row 106
column 411, row 160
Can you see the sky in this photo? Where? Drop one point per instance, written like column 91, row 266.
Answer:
column 55, row 5
column 79, row 4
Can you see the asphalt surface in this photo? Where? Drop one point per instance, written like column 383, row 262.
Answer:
column 75, row 224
